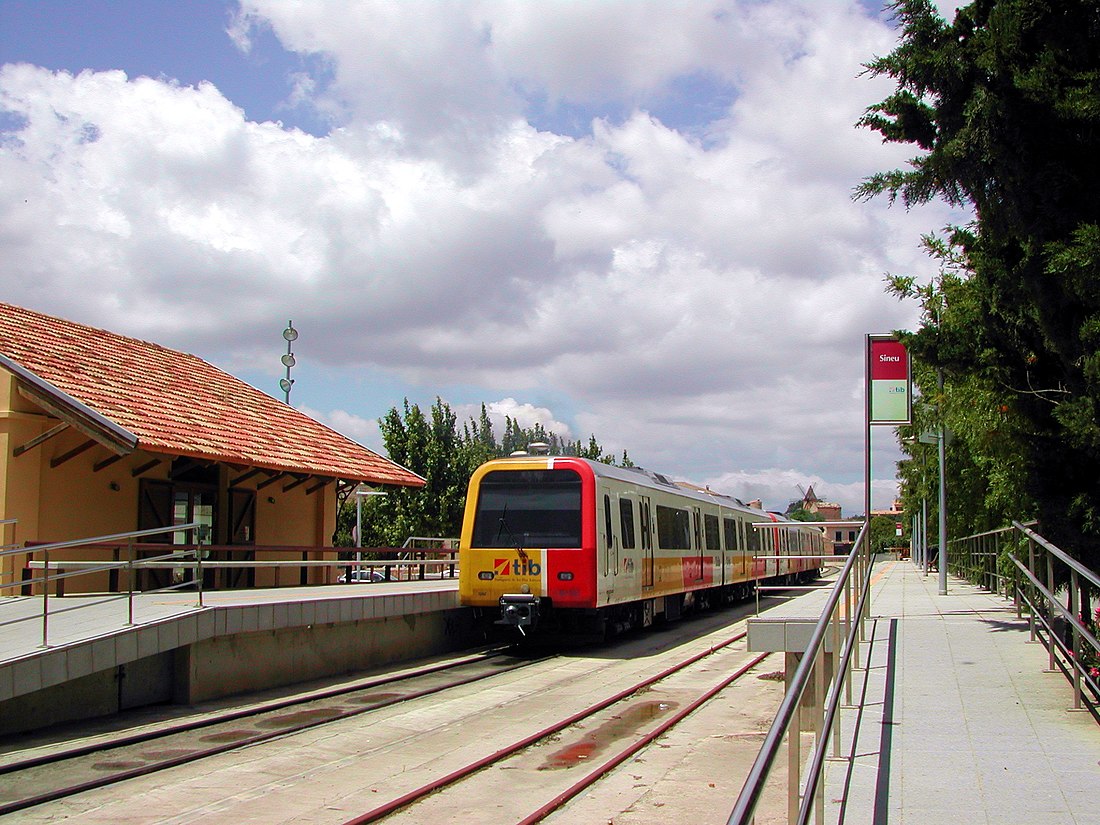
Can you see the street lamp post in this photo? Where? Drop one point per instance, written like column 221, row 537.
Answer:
column 360, row 493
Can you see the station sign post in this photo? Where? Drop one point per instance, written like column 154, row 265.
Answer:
column 889, row 393
column 889, row 378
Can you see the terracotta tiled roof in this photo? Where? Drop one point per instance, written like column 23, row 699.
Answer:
column 178, row 404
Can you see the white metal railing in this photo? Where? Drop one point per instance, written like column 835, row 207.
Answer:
column 1039, row 591
column 55, row 572
column 847, row 605
column 174, row 559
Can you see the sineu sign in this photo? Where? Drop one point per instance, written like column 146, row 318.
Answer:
column 890, row 400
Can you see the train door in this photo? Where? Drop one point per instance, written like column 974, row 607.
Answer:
column 731, row 536
column 697, row 537
column 645, row 524
column 610, row 552
column 628, row 541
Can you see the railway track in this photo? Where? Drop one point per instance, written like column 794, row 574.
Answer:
column 525, row 734
column 45, row 775
column 625, row 722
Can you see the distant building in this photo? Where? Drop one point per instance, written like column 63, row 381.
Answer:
column 838, row 540
column 102, row 434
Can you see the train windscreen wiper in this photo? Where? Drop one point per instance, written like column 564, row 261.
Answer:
column 505, row 529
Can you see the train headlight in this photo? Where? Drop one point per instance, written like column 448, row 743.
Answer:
column 523, row 588
column 565, row 576
column 486, row 575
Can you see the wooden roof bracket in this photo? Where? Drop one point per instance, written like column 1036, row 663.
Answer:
column 73, row 453
column 40, row 438
column 269, row 481
column 299, row 480
column 255, row 471
column 148, row 465
column 106, row 462
column 324, row 482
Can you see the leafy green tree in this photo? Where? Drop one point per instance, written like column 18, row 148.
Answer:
column 883, row 533
column 435, row 448
column 802, row 514
column 1004, row 104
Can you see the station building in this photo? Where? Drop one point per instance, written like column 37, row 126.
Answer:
column 102, row 434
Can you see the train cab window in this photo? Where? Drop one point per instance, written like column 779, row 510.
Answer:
column 528, row 508
column 673, row 528
column 626, row 523
column 710, row 532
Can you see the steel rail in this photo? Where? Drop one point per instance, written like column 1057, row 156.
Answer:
column 195, row 755
column 416, row 794
column 612, row 763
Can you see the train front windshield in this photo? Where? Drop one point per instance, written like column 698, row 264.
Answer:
column 528, row 508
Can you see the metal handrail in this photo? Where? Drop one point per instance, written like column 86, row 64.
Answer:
column 753, row 787
column 971, row 559
column 45, row 549
column 1074, row 653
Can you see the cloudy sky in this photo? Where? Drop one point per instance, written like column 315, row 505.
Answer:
column 618, row 217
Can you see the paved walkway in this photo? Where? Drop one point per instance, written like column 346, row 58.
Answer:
column 961, row 721
column 91, row 633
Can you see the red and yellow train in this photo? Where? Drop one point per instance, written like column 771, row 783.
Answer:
column 572, row 545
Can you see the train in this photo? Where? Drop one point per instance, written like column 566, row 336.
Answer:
column 561, row 544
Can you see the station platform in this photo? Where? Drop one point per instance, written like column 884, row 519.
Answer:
column 95, row 660
column 959, row 720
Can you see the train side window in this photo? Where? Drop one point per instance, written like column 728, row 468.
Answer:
column 710, row 532
column 673, row 528
column 607, row 519
column 643, row 512
column 754, row 539
column 729, row 533
column 626, row 523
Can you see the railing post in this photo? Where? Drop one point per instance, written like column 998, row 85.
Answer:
column 819, row 725
column 1049, row 609
column 794, row 748
column 850, row 622
column 836, row 677
column 45, row 597
column 1076, row 647
column 198, row 566
column 130, row 580
column 1031, row 585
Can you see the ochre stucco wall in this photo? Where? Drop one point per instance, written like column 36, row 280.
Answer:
column 73, row 501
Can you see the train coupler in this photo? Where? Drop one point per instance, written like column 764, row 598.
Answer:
column 519, row 610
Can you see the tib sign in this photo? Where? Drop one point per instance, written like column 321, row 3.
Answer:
column 890, row 399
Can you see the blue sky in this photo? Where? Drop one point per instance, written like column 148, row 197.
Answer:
column 624, row 218
column 185, row 41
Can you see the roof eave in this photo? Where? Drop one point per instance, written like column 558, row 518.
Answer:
column 93, row 424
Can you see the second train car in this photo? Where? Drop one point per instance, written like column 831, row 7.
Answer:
column 576, row 546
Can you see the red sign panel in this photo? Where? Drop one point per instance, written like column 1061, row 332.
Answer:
column 889, row 361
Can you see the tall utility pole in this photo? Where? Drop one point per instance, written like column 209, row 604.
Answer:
column 285, row 384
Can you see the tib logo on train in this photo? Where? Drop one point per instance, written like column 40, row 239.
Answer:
column 524, row 566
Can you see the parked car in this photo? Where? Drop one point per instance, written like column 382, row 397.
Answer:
column 362, row 576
